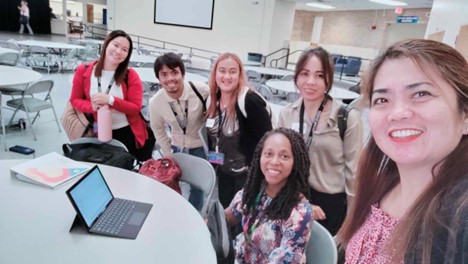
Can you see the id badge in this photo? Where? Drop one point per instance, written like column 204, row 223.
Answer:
column 216, row 157
column 210, row 122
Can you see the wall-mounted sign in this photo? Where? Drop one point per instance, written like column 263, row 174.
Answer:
column 407, row 19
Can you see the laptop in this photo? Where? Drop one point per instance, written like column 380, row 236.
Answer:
column 101, row 212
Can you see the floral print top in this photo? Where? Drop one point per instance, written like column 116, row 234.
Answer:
column 272, row 241
column 368, row 244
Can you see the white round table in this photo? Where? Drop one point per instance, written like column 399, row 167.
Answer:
column 138, row 58
column 147, row 75
column 5, row 50
column 54, row 47
column 289, row 86
column 13, row 76
column 270, row 71
column 35, row 225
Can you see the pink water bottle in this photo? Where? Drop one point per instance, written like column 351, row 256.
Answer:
column 104, row 124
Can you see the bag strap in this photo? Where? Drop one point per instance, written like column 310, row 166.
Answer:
column 343, row 119
column 198, row 95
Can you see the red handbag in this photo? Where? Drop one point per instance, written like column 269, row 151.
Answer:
column 164, row 170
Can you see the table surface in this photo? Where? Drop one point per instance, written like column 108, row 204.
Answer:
column 289, row 86
column 142, row 58
column 13, row 76
column 49, row 44
column 35, row 224
column 147, row 75
column 94, row 41
column 269, row 71
column 252, row 63
column 5, row 50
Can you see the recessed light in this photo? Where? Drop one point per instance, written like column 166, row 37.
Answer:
column 323, row 6
column 389, row 2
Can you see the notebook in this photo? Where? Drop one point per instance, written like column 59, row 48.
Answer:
column 101, row 212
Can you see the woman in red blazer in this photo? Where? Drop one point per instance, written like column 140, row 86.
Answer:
column 109, row 81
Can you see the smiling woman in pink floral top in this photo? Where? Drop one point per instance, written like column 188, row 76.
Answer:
column 411, row 203
column 272, row 208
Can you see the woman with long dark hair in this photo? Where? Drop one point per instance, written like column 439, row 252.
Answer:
column 109, row 82
column 411, row 202
column 333, row 159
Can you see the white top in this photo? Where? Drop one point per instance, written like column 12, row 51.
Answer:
column 269, row 71
column 119, row 119
column 147, row 75
column 35, row 224
column 13, row 76
column 289, row 86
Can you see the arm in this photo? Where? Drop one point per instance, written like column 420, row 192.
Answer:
column 131, row 105
column 157, row 124
column 78, row 98
column 352, row 146
column 234, row 211
column 295, row 235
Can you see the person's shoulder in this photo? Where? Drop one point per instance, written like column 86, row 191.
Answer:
column 159, row 97
column 201, row 87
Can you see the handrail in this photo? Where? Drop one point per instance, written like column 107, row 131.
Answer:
column 285, row 56
column 273, row 53
column 155, row 43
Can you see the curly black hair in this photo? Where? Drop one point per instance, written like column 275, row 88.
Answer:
column 281, row 206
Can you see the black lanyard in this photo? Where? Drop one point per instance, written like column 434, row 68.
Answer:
column 182, row 123
column 314, row 124
column 108, row 87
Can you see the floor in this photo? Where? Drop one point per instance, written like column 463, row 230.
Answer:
column 49, row 138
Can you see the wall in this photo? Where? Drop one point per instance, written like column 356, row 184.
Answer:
column 454, row 11
column 349, row 32
column 239, row 26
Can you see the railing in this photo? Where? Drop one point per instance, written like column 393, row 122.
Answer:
column 140, row 41
column 285, row 56
column 276, row 60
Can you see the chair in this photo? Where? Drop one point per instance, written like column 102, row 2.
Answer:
column 147, row 65
column 267, row 94
column 321, row 247
column 287, row 78
column 39, row 58
column 3, row 124
column 353, row 66
column 335, row 57
column 9, row 58
column 292, row 97
column 254, row 76
column 70, row 60
column 203, row 177
column 30, row 104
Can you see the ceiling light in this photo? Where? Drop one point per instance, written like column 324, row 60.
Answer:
column 389, row 2
column 323, row 6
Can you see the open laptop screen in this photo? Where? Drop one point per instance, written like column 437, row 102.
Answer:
column 91, row 195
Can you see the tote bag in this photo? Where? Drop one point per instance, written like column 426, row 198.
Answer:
column 75, row 123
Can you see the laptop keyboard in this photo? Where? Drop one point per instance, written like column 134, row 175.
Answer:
column 113, row 219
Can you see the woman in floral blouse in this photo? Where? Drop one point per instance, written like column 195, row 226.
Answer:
column 272, row 207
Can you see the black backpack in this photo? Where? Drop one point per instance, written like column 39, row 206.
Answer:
column 100, row 153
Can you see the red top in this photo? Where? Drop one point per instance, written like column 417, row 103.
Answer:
column 368, row 244
column 130, row 105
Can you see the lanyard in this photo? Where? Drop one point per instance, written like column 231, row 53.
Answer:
column 220, row 126
column 182, row 123
column 108, row 87
column 255, row 214
column 314, row 124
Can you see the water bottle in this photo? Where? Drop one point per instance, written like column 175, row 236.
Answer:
column 104, row 124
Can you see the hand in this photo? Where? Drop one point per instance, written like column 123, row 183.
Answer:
column 98, row 100
column 317, row 213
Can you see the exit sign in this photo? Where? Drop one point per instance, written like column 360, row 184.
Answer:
column 407, row 19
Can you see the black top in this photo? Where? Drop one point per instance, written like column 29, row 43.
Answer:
column 252, row 128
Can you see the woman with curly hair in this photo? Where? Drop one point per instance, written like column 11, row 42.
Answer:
column 273, row 206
